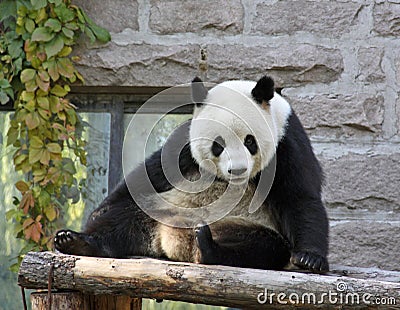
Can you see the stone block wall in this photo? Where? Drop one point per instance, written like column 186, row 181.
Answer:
column 337, row 62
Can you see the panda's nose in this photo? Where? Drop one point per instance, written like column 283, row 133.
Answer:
column 237, row 171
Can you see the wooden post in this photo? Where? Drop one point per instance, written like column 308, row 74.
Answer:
column 80, row 301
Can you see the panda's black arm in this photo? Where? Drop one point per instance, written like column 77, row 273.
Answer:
column 295, row 199
column 150, row 176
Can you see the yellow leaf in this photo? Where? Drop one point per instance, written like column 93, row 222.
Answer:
column 58, row 91
column 28, row 222
column 32, row 120
column 45, row 158
column 36, row 142
column 35, row 155
column 22, row 186
column 50, row 213
column 54, row 148
column 45, row 86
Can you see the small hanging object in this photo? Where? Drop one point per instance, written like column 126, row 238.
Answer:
column 203, row 65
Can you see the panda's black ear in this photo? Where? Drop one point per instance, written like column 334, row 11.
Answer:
column 264, row 90
column 199, row 92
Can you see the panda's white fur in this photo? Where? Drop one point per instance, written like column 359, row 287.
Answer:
column 231, row 112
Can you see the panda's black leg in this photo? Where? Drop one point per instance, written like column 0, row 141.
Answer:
column 257, row 247
column 71, row 242
column 209, row 250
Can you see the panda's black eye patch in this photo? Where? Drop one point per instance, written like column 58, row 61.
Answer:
column 251, row 144
column 218, row 146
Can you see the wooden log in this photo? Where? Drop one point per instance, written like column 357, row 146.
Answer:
column 80, row 301
column 215, row 285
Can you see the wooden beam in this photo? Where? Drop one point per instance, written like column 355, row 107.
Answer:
column 215, row 285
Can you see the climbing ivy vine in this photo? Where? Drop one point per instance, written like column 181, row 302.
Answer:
column 36, row 44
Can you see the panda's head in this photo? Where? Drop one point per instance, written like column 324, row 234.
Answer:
column 236, row 127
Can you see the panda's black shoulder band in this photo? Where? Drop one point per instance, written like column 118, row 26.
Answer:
column 199, row 92
column 264, row 90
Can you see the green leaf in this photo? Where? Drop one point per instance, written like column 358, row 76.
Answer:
column 40, row 16
column 53, row 24
column 30, row 106
column 7, row 8
column 36, row 142
column 90, row 34
column 101, row 34
column 45, row 158
column 56, row 2
column 54, row 46
column 58, row 91
column 54, row 105
column 35, row 155
column 52, row 69
column 65, row 67
column 64, row 13
column 27, row 75
column 72, row 26
column 10, row 214
column 31, row 86
column 65, row 51
column 54, row 148
column 45, row 114
column 42, row 34
column 38, row 4
column 20, row 159
column 15, row 48
column 4, row 83
column 68, row 165
column 12, row 135
column 44, row 199
column 29, row 25
column 43, row 102
column 27, row 96
column 68, row 33
column 3, row 97
column 71, row 116
column 9, row 91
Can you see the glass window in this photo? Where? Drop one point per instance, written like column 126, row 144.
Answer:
column 155, row 129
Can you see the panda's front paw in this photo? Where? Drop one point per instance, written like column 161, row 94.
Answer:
column 310, row 261
column 66, row 241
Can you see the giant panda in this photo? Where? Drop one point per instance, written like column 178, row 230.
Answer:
column 239, row 130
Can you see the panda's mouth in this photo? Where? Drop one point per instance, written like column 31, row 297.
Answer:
column 238, row 180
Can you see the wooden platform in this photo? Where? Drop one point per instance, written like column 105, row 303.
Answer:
column 118, row 282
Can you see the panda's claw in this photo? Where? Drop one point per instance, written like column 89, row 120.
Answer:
column 65, row 240
column 310, row 261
